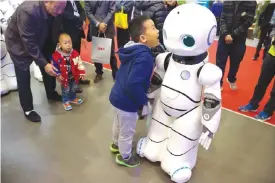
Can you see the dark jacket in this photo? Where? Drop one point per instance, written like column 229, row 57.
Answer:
column 101, row 11
column 129, row 92
column 72, row 24
column 236, row 18
column 265, row 17
column 127, row 7
column 26, row 34
column 156, row 10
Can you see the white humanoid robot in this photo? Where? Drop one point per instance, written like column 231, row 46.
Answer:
column 8, row 78
column 187, row 110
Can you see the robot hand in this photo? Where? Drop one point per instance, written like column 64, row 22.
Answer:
column 147, row 109
column 206, row 138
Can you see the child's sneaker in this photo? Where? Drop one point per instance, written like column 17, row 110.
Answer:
column 114, row 148
column 263, row 116
column 67, row 106
column 247, row 108
column 77, row 101
column 131, row 162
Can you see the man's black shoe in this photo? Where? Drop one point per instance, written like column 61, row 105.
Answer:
column 55, row 97
column 33, row 117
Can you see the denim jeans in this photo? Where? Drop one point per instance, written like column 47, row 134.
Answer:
column 69, row 94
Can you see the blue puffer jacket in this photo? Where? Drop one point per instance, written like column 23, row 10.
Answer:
column 129, row 92
column 127, row 7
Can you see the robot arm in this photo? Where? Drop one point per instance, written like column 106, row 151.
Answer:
column 209, row 76
column 162, row 61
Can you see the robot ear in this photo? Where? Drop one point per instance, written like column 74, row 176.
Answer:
column 212, row 35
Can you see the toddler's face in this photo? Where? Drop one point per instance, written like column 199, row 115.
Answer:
column 66, row 43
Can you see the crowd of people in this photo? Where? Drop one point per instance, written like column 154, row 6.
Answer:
column 50, row 33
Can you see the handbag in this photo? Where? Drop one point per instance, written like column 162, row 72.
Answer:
column 121, row 19
column 101, row 49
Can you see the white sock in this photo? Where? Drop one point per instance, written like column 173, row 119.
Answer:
column 28, row 112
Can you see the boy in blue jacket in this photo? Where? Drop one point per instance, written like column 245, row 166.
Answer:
column 129, row 92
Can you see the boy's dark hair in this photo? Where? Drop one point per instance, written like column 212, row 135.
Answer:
column 136, row 27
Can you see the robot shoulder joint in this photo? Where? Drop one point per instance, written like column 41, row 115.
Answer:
column 209, row 74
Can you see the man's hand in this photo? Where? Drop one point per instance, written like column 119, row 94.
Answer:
column 50, row 69
column 102, row 27
column 59, row 78
column 228, row 39
column 81, row 77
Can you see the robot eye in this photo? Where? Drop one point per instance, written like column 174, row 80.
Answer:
column 188, row 41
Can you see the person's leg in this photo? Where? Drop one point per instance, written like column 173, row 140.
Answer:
column 25, row 94
column 266, row 75
column 123, row 37
column 221, row 56
column 50, row 86
column 77, row 47
column 127, row 126
column 270, row 105
column 113, row 60
column 66, row 97
column 72, row 94
column 237, row 51
column 115, row 133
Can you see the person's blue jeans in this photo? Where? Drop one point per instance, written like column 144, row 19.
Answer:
column 69, row 94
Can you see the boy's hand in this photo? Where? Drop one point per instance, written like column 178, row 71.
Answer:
column 59, row 78
column 81, row 77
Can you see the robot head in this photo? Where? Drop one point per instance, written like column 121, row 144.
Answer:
column 189, row 30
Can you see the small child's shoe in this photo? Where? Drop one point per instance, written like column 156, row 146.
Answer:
column 263, row 116
column 131, row 162
column 67, row 106
column 114, row 148
column 77, row 101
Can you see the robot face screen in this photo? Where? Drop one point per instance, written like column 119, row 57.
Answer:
column 189, row 30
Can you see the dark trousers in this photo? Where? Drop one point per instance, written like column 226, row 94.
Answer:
column 113, row 62
column 49, row 83
column 24, row 88
column 235, row 51
column 123, row 37
column 266, row 76
column 218, row 25
column 265, row 31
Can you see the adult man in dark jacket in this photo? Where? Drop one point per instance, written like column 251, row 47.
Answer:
column 236, row 18
column 25, row 36
column 101, row 16
column 71, row 22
